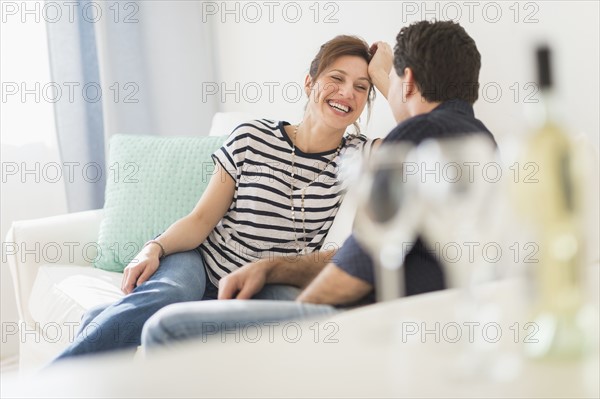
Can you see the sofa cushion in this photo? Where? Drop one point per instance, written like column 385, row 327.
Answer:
column 153, row 181
column 62, row 294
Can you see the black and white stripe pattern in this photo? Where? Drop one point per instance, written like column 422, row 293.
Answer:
column 259, row 223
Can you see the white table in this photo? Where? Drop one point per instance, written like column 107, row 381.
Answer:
column 378, row 354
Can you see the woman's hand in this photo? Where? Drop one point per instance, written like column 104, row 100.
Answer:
column 380, row 66
column 141, row 268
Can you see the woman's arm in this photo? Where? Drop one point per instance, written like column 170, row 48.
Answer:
column 186, row 233
column 191, row 230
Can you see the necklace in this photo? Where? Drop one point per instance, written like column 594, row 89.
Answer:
column 301, row 250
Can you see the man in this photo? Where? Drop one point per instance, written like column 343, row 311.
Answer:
column 432, row 88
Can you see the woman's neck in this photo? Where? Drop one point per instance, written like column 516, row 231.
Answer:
column 316, row 137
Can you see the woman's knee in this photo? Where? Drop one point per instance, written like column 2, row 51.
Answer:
column 91, row 314
column 181, row 277
column 181, row 268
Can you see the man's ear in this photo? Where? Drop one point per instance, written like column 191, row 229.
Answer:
column 408, row 81
column 307, row 85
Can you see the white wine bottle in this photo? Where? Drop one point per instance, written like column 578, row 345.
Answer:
column 552, row 202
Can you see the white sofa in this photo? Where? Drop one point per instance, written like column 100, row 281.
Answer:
column 55, row 282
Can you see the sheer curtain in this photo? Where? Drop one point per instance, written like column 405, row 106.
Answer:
column 138, row 67
column 78, row 113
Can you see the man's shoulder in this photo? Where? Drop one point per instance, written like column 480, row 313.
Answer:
column 412, row 129
column 452, row 120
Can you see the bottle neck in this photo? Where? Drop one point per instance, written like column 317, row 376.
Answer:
column 548, row 100
column 544, row 111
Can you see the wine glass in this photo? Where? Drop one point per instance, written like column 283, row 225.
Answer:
column 459, row 190
column 387, row 215
column 459, row 194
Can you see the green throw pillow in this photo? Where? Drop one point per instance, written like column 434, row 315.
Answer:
column 151, row 182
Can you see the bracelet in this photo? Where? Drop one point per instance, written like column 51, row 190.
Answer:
column 163, row 253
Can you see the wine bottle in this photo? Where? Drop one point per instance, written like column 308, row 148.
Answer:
column 552, row 202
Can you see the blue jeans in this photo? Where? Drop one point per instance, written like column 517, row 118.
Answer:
column 198, row 320
column 181, row 277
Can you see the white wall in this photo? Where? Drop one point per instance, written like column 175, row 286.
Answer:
column 280, row 51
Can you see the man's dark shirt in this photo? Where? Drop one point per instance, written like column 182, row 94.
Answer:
column 422, row 270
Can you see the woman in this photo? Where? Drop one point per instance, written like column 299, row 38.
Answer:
column 274, row 193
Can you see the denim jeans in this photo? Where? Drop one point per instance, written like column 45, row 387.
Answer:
column 181, row 277
column 198, row 320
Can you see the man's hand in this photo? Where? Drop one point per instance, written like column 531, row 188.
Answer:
column 380, row 66
column 141, row 268
column 298, row 271
column 245, row 282
column 333, row 286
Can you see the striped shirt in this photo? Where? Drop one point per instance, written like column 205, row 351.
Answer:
column 259, row 222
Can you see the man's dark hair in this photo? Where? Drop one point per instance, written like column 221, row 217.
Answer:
column 443, row 58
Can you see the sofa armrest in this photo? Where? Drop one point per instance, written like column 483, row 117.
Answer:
column 69, row 239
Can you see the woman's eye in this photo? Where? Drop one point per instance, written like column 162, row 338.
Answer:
column 361, row 88
column 336, row 78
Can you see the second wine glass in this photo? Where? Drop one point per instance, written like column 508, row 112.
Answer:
column 387, row 215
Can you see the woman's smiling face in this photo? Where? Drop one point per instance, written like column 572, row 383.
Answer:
column 339, row 94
